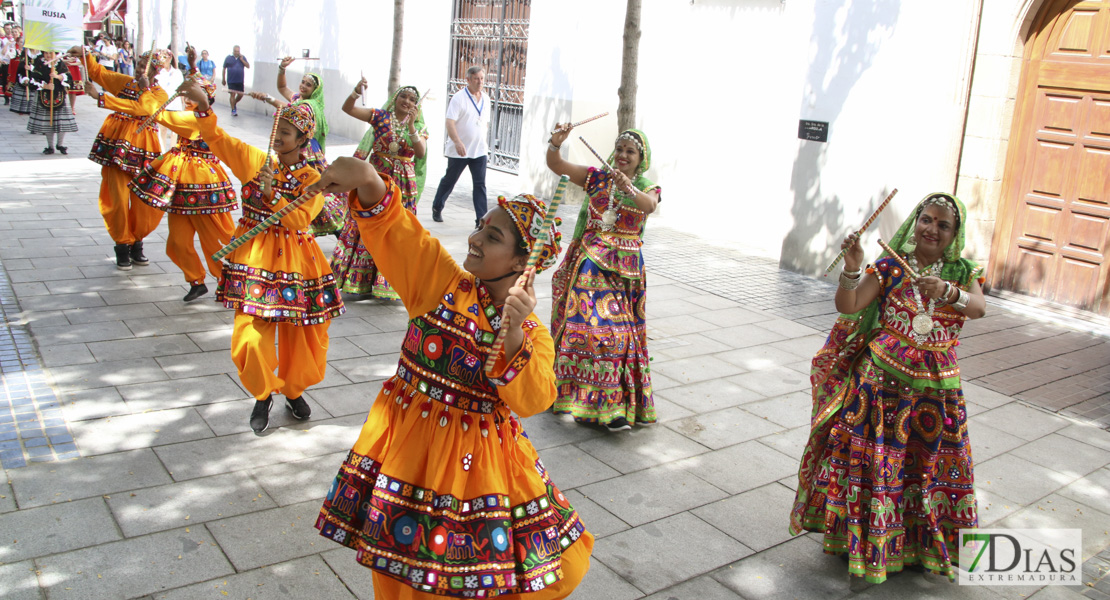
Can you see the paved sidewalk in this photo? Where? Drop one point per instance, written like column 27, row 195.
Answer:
column 174, row 497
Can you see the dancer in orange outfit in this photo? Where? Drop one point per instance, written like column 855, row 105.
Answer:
column 443, row 494
column 123, row 150
column 191, row 186
column 279, row 282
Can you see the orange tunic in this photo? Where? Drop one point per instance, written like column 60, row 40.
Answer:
column 119, row 143
column 280, row 275
column 442, row 491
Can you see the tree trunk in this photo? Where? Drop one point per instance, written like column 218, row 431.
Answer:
column 176, row 44
column 626, row 109
column 398, row 38
column 140, row 33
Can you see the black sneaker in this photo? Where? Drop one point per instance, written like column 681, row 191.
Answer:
column 123, row 257
column 437, row 215
column 196, row 291
column 260, row 414
column 137, row 256
column 48, row 150
column 618, row 424
column 298, row 407
column 63, row 149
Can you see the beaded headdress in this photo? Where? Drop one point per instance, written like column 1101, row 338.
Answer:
column 408, row 88
column 155, row 62
column 528, row 213
column 206, row 85
column 639, row 140
column 300, row 115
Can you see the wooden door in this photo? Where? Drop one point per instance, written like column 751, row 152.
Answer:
column 1054, row 228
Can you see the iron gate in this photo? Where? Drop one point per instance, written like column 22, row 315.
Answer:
column 494, row 34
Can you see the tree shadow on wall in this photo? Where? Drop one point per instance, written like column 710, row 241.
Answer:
column 848, row 52
column 268, row 19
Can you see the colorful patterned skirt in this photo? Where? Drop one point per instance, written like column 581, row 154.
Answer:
column 601, row 357
column 354, row 268
column 187, row 180
column 887, row 474
column 22, row 98
column 334, row 214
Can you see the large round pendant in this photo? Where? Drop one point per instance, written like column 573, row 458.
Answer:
column 922, row 324
column 609, row 218
column 394, row 147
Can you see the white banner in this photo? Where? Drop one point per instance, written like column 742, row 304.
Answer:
column 53, row 25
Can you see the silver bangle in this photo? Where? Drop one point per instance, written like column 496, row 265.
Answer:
column 552, row 147
column 961, row 303
column 850, row 283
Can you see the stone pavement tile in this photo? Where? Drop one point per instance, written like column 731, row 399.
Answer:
column 162, row 345
column 571, row 468
column 680, row 325
column 684, row 346
column 42, row 318
column 123, row 372
column 641, row 448
column 59, row 274
column 302, row 480
column 19, row 582
column 333, row 377
column 341, row 348
column 181, row 393
column 354, row 326
column 988, row 442
column 271, row 536
column 930, row 586
column 804, row 347
column 1057, row 512
column 82, row 405
column 1018, row 479
column 210, row 341
column 395, row 322
column 61, row 301
column 598, row 521
column 56, row 482
column 358, row 370
column 1088, row 435
column 153, row 280
column 1064, row 454
column 143, row 430
column 357, row 578
column 44, row 252
column 187, row 503
column 744, row 336
column 308, row 577
column 226, row 454
column 73, row 287
column 756, row 518
column 74, row 334
column 724, row 427
column 661, row 554
column 137, row 296
column 755, row 358
column 321, row 435
column 601, row 582
column 65, row 355
column 992, row 507
column 651, row 494
column 1058, row 592
column 669, row 307
column 124, row 569
column 791, row 442
column 733, row 317
column 7, row 496
column 112, row 313
column 163, row 326
column 1092, row 490
column 206, row 305
column 709, row 395
column 55, row 528
column 789, row 410
column 1023, row 421
column 547, row 430
column 742, row 467
column 667, row 411
column 197, row 364
column 695, row 369
column 773, row 381
column 664, row 292
column 709, row 301
column 29, row 289
column 351, row 399
column 700, row 588
column 233, row 416
column 795, row 569
column 787, row 328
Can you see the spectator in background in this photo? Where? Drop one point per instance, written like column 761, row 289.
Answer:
column 106, row 52
column 234, row 74
column 466, row 145
column 206, row 66
column 125, row 59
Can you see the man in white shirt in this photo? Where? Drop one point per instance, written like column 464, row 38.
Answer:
column 169, row 78
column 467, row 128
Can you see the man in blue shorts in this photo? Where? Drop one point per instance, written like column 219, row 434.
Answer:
column 233, row 77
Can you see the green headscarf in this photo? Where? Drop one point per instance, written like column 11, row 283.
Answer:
column 955, row 268
column 639, row 181
column 366, row 145
column 315, row 101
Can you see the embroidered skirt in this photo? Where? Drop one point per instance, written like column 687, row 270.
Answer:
column 187, row 180
column 334, row 214
column 121, row 144
column 42, row 121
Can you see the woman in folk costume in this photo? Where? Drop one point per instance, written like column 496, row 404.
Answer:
column 599, row 292
column 887, row 474
column 123, row 148
column 279, row 282
column 50, row 114
column 311, row 92
column 443, row 494
column 190, row 185
column 396, row 145
column 19, row 83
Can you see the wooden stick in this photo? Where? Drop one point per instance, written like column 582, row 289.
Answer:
column 866, row 224
column 299, row 58
column 608, row 167
column 898, row 258
column 262, row 226
column 537, row 248
column 582, row 122
column 149, row 122
column 362, row 96
column 270, row 150
column 150, row 60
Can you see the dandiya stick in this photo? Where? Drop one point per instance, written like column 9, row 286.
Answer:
column 866, row 224
column 362, row 96
column 270, row 148
column 608, row 167
column 149, row 122
column 582, row 122
column 537, row 248
column 901, row 261
column 262, row 226
column 146, row 71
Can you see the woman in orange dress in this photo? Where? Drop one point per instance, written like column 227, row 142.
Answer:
column 279, row 282
column 443, row 494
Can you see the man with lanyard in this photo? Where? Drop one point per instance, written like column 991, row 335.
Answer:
column 466, row 146
column 234, row 76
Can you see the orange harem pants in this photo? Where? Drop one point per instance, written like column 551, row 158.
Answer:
column 214, row 231
column 127, row 218
column 300, row 357
column 576, row 561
